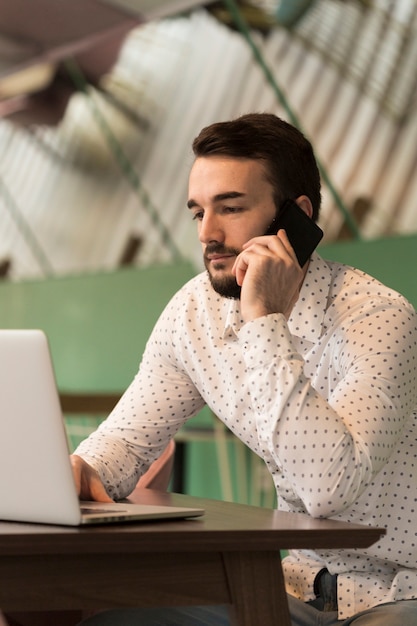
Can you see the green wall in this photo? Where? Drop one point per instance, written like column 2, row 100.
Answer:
column 97, row 324
column 393, row 260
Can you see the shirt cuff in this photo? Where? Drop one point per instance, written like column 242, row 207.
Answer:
column 266, row 338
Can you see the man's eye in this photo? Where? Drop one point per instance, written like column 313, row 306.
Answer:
column 198, row 216
column 232, row 209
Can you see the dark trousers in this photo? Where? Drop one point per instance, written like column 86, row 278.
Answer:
column 302, row 614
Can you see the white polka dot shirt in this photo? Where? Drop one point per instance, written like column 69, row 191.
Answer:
column 326, row 400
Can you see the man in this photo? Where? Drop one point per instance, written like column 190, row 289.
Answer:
column 313, row 367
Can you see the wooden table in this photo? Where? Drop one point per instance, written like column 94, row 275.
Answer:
column 229, row 556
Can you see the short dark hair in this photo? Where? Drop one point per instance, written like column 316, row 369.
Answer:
column 289, row 159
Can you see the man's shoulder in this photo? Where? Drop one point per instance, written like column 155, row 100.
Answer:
column 353, row 285
column 197, row 293
column 194, row 307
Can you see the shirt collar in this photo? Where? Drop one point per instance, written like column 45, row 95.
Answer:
column 233, row 320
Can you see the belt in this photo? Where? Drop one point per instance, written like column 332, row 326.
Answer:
column 325, row 588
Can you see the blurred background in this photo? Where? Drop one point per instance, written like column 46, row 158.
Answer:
column 101, row 100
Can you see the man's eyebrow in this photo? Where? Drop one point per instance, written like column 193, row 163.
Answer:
column 226, row 195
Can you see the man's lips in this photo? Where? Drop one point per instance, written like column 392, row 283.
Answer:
column 215, row 258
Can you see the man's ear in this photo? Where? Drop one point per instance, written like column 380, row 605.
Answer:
column 304, row 203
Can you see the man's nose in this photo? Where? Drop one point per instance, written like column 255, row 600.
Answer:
column 210, row 229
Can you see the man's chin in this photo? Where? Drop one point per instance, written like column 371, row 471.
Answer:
column 225, row 286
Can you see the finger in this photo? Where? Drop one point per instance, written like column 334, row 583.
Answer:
column 98, row 491
column 264, row 240
column 239, row 269
column 76, row 471
column 278, row 244
column 283, row 237
column 271, row 242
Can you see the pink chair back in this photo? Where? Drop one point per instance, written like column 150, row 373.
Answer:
column 159, row 473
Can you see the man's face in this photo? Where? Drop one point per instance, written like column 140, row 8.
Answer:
column 232, row 202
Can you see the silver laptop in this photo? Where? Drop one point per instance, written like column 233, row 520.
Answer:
column 36, row 481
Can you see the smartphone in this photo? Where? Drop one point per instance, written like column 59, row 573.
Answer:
column 304, row 234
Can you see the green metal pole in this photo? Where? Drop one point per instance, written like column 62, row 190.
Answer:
column 245, row 31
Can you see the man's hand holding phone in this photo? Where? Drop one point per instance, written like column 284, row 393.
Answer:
column 269, row 274
column 270, row 268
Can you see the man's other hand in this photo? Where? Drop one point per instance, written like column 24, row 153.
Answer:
column 87, row 481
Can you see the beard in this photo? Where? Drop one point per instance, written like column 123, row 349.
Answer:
column 225, row 285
